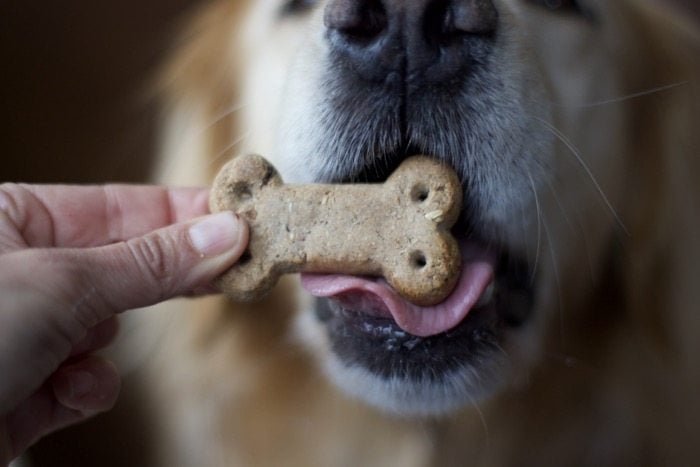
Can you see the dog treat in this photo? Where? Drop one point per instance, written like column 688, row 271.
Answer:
column 398, row 229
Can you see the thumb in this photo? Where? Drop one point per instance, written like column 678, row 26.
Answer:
column 166, row 263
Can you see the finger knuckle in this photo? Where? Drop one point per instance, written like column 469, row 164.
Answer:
column 155, row 256
column 20, row 206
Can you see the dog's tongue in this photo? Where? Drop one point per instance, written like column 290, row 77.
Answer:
column 375, row 297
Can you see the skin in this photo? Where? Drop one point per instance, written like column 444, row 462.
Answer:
column 71, row 259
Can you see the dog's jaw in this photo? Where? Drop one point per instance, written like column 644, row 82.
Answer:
column 428, row 395
column 423, row 397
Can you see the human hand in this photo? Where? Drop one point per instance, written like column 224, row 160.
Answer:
column 70, row 259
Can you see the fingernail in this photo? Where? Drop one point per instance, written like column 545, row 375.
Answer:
column 81, row 383
column 216, row 234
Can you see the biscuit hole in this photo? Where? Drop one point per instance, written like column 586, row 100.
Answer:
column 418, row 260
column 420, row 193
column 245, row 258
column 242, row 191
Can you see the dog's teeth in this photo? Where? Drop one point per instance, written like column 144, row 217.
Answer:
column 487, row 296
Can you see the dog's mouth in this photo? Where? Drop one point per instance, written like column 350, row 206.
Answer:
column 375, row 298
column 494, row 291
column 492, row 280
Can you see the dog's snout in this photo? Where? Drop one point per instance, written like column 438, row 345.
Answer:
column 432, row 39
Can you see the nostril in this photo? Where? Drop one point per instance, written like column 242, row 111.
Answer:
column 356, row 19
column 475, row 16
column 446, row 20
column 438, row 22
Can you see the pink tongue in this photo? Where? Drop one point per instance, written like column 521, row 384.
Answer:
column 375, row 297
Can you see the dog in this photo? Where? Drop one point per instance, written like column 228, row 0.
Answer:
column 573, row 127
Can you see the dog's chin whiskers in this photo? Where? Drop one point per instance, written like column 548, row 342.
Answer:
column 482, row 419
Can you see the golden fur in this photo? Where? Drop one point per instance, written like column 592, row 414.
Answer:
column 609, row 374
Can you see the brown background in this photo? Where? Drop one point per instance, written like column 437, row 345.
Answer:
column 75, row 101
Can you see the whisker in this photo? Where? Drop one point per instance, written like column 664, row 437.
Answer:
column 482, row 418
column 579, row 231
column 557, row 280
column 498, row 347
column 524, row 220
column 587, row 249
column 473, row 381
column 626, row 97
column 220, row 116
column 561, row 208
column 588, row 171
column 198, row 132
column 539, row 227
column 228, row 147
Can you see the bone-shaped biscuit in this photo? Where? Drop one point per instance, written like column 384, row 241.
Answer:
column 398, row 229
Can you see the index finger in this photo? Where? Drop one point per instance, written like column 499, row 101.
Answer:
column 84, row 216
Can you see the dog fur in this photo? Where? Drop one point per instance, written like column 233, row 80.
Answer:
column 583, row 151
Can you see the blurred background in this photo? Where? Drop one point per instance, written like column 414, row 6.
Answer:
column 77, row 101
column 77, row 106
column 75, row 87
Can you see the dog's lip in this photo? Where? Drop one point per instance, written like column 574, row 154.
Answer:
column 374, row 297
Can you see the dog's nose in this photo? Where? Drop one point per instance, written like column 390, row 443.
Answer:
column 432, row 39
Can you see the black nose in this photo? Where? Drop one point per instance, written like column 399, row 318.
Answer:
column 430, row 40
